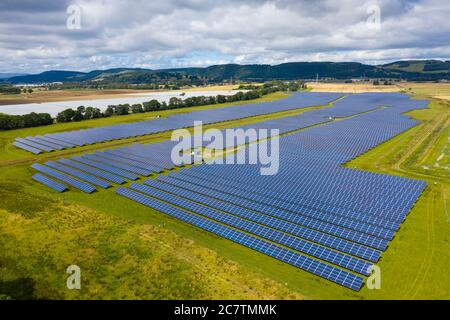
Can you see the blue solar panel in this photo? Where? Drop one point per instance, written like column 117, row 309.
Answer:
column 117, row 164
column 108, row 133
column 27, row 148
column 47, row 143
column 33, row 144
column 107, row 168
column 335, row 257
column 55, row 185
column 65, row 178
column 38, row 143
column 282, row 225
column 313, row 204
column 99, row 173
column 304, row 220
column 133, row 163
column 56, row 142
column 79, row 174
column 303, row 262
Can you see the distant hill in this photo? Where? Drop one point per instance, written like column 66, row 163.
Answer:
column 409, row 70
column 420, row 66
column 10, row 75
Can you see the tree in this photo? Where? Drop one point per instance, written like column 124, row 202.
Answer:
column 66, row 115
column 88, row 113
column 110, row 110
column 175, row 102
column 9, row 122
column 137, row 108
column 221, row 99
column 122, row 109
column 81, row 109
column 78, row 116
column 152, row 105
column 97, row 113
column 30, row 90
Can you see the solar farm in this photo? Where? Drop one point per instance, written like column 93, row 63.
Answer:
column 318, row 215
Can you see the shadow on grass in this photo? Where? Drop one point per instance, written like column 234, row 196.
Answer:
column 18, row 289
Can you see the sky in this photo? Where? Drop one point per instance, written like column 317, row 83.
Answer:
column 86, row 35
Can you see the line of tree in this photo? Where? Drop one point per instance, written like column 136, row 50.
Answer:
column 9, row 89
column 279, row 85
column 10, row 122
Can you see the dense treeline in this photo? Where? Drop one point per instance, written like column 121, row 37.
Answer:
column 278, row 85
column 9, row 122
column 8, row 89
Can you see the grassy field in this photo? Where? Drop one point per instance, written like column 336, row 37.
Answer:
column 428, row 89
column 350, row 87
column 435, row 90
column 126, row 250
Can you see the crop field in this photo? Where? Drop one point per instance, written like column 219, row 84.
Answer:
column 128, row 251
column 41, row 95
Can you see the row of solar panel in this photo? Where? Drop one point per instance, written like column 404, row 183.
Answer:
column 301, row 261
column 103, row 168
column 281, row 208
column 237, row 197
column 58, row 141
column 272, row 222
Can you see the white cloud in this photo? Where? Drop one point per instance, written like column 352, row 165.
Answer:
column 175, row 33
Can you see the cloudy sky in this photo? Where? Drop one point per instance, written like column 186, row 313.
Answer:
column 50, row 34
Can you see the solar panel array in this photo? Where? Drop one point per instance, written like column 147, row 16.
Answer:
column 315, row 214
column 55, row 185
column 313, row 206
column 70, row 139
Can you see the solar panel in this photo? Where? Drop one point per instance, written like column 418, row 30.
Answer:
column 33, row 144
column 46, row 143
column 127, row 130
column 323, row 253
column 276, row 223
column 99, row 173
column 27, row 148
column 55, row 185
column 56, row 142
column 133, row 163
column 117, row 164
column 79, row 174
column 313, row 206
column 303, row 262
column 107, row 168
column 85, row 187
column 38, row 144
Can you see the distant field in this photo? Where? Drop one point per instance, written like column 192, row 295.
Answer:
column 127, row 251
column 350, row 87
column 435, row 90
column 427, row 89
column 39, row 96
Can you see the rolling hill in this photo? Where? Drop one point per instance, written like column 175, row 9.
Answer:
column 409, row 70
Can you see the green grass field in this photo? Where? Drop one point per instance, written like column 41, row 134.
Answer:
column 129, row 251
